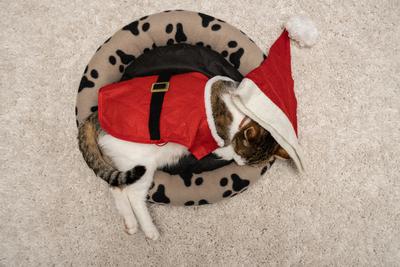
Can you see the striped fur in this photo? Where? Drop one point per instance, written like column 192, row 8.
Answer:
column 88, row 134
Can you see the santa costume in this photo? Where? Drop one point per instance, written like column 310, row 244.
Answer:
column 159, row 109
column 162, row 108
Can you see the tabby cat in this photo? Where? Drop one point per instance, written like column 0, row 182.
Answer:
column 135, row 163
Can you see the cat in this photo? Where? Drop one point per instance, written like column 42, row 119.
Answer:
column 245, row 141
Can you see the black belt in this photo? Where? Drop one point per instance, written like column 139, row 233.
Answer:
column 158, row 90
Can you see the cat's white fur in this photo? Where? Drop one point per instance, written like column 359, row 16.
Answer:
column 131, row 200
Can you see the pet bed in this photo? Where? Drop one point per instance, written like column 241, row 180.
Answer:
column 149, row 45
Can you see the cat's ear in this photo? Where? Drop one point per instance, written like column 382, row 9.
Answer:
column 281, row 153
column 231, row 86
column 250, row 134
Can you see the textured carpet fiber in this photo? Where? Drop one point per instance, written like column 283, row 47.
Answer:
column 344, row 211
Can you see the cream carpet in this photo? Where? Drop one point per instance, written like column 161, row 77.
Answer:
column 345, row 211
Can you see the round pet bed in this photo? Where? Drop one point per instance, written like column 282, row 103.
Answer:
column 130, row 52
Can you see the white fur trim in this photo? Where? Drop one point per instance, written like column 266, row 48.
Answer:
column 207, row 101
column 254, row 103
column 303, row 30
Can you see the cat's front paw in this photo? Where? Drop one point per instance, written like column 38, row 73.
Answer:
column 130, row 231
column 151, row 233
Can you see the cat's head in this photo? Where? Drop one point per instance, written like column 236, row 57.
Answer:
column 255, row 145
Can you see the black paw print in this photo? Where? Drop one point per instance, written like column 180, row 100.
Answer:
column 180, row 35
column 124, row 58
column 233, row 57
column 206, row 21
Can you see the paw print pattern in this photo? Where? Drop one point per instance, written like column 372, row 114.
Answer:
column 135, row 26
column 85, row 81
column 235, row 56
column 238, row 185
column 132, row 27
column 148, row 49
column 201, row 202
column 206, row 21
column 76, row 114
column 180, row 36
column 202, row 44
column 189, row 203
column 266, row 167
column 124, row 58
column 199, row 181
column 159, row 196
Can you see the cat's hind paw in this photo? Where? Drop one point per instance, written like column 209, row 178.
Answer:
column 152, row 233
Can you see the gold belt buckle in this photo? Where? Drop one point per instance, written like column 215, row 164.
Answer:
column 160, row 87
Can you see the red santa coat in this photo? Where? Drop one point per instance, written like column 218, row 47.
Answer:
column 186, row 116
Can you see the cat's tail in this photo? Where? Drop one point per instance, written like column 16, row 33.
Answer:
column 88, row 134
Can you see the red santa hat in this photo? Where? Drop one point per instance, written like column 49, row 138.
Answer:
column 266, row 94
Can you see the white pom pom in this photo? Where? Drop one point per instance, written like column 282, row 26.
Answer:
column 302, row 30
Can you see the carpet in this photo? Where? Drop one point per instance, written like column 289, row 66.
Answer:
column 344, row 211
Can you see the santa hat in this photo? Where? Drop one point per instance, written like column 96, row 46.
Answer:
column 266, row 94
